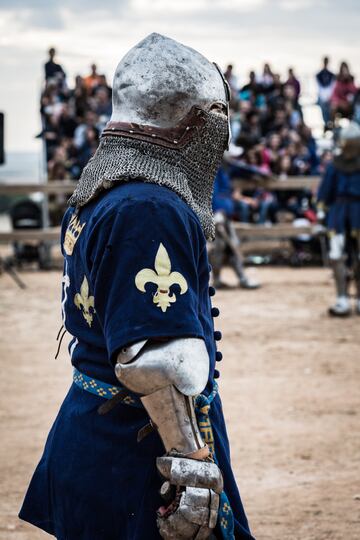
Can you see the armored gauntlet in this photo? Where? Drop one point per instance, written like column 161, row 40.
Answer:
column 191, row 491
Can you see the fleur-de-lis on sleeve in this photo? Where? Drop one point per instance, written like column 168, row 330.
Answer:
column 85, row 302
column 163, row 277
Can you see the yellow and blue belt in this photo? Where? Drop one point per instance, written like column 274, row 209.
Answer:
column 105, row 390
column 202, row 409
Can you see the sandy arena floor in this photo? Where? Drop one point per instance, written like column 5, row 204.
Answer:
column 290, row 385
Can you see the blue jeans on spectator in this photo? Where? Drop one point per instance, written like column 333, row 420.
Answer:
column 242, row 211
column 325, row 110
column 265, row 209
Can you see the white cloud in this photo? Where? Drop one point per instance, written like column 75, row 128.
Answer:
column 156, row 6
column 295, row 5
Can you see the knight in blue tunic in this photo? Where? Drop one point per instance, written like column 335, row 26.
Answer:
column 139, row 449
column 339, row 199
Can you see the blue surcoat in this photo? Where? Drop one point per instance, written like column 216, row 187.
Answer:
column 339, row 192
column 94, row 480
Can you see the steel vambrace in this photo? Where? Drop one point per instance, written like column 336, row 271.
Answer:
column 168, row 375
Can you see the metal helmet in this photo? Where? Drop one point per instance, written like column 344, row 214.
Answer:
column 169, row 126
column 159, row 80
column 347, row 151
column 350, row 132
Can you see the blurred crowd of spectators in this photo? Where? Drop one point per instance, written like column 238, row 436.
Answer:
column 268, row 126
column 72, row 118
column 269, row 135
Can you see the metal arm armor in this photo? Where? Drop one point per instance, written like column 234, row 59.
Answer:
column 145, row 367
column 168, row 375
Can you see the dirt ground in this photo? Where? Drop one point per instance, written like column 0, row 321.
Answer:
column 289, row 382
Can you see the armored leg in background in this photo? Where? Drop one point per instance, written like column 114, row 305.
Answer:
column 226, row 249
column 341, row 308
column 217, row 255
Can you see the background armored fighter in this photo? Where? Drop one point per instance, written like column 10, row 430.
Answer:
column 226, row 247
column 136, row 299
column 339, row 196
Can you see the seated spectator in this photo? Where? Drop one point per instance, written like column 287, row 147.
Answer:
column 325, row 159
column 267, row 207
column 344, row 93
column 301, row 162
column 229, row 200
column 66, row 122
column 88, row 147
column 284, row 166
column 104, row 84
column 277, row 120
column 244, row 204
column 272, row 149
column 52, row 99
column 251, row 90
column 80, row 134
column 250, row 132
column 266, row 80
column 291, row 107
column 102, row 103
column 61, row 155
column 257, row 205
column 308, row 139
column 275, row 92
column 57, row 171
column 80, row 97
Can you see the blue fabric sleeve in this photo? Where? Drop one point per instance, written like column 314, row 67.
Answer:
column 144, row 272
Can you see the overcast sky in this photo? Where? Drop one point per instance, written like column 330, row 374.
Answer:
column 244, row 32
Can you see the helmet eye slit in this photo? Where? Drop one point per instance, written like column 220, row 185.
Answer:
column 217, row 107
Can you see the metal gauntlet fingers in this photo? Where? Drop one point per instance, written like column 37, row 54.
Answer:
column 192, row 514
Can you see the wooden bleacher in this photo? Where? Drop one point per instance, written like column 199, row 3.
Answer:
column 66, row 187
column 245, row 232
column 51, row 235
column 292, row 183
column 57, row 187
column 278, row 231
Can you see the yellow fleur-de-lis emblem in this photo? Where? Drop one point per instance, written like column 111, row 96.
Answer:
column 85, row 302
column 164, row 278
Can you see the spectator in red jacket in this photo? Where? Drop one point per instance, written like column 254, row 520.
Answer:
column 344, row 92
